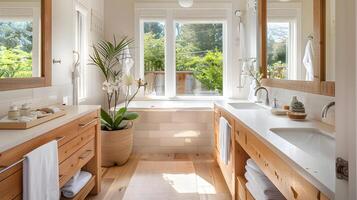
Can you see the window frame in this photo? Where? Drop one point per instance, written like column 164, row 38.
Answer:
column 82, row 50
column 171, row 13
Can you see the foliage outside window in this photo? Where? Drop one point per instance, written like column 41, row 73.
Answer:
column 199, row 58
column 278, row 37
column 16, row 49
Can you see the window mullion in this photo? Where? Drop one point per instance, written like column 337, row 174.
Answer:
column 170, row 67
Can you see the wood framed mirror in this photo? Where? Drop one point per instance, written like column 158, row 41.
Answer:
column 296, row 45
column 25, row 44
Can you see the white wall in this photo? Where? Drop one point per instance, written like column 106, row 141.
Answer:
column 95, row 22
column 62, row 47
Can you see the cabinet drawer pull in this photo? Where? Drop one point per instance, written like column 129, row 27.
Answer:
column 83, row 125
column 294, row 192
column 85, row 154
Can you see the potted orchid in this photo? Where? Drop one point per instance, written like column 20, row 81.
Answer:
column 113, row 58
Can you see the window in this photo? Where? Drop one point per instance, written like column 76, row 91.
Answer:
column 20, row 43
column 196, row 53
column 81, row 48
column 154, row 57
column 282, row 55
column 199, row 59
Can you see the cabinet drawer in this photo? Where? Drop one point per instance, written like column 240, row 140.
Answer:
column 74, row 145
column 11, row 187
column 87, row 121
column 75, row 162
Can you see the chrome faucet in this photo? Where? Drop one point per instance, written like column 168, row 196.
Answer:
column 326, row 109
column 267, row 102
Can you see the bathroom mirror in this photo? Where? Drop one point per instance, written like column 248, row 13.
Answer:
column 330, row 39
column 25, row 44
column 297, row 44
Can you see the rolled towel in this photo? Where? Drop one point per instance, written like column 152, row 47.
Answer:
column 72, row 188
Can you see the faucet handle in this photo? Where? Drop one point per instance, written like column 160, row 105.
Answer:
column 275, row 103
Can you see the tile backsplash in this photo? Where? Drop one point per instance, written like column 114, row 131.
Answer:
column 313, row 103
column 37, row 97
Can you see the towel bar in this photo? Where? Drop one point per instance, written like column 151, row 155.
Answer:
column 4, row 169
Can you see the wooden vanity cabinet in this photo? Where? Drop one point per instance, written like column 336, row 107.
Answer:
column 247, row 145
column 78, row 148
column 289, row 182
column 228, row 170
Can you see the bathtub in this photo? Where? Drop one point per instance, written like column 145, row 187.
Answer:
column 173, row 126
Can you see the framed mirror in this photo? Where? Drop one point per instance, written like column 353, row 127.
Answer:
column 25, row 44
column 297, row 44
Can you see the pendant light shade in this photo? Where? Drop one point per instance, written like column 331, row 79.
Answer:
column 186, row 3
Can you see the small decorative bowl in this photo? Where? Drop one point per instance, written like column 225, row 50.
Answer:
column 297, row 116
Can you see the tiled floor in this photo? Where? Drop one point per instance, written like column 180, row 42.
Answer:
column 165, row 176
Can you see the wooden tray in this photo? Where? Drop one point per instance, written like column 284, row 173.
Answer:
column 8, row 125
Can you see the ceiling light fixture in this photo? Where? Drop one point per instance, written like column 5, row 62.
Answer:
column 186, row 3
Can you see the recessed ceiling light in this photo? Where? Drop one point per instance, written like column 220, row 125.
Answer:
column 186, row 3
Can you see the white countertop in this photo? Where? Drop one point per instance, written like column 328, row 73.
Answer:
column 317, row 170
column 13, row 138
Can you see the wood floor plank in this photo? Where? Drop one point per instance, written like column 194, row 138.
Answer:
column 210, row 184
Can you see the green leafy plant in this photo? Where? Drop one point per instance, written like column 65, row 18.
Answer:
column 108, row 57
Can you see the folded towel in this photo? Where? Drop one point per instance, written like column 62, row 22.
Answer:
column 224, row 139
column 73, row 180
column 268, row 190
column 258, row 195
column 254, row 166
column 72, row 188
column 253, row 191
column 40, row 173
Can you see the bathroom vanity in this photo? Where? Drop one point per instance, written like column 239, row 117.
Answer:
column 297, row 157
column 78, row 136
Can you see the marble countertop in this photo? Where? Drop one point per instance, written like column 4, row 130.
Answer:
column 317, row 170
column 13, row 138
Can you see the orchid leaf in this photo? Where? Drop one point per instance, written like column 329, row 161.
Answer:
column 131, row 116
column 106, row 117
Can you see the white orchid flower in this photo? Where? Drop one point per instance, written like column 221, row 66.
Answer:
column 108, row 87
column 128, row 80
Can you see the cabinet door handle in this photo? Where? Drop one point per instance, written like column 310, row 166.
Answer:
column 294, row 192
column 83, row 125
column 85, row 154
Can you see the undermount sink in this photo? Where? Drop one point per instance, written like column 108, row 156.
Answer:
column 247, row 106
column 310, row 140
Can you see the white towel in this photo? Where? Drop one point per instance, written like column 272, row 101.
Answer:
column 40, row 173
column 224, row 139
column 73, row 186
column 258, row 195
column 253, row 191
column 309, row 61
column 254, row 166
column 263, row 186
column 126, row 60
